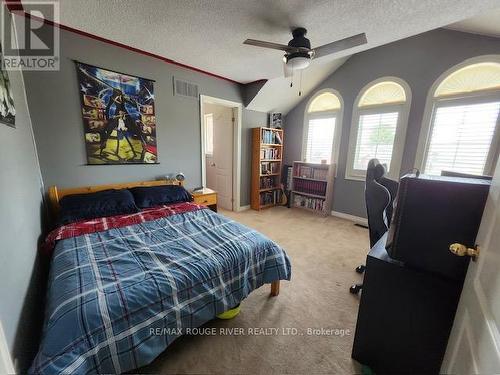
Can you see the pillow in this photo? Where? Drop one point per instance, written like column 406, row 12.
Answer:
column 104, row 203
column 158, row 195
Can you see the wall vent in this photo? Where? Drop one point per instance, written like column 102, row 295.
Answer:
column 185, row 88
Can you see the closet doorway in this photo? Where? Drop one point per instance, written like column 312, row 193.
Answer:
column 220, row 149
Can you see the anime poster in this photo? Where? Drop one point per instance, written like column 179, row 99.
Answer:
column 7, row 109
column 118, row 113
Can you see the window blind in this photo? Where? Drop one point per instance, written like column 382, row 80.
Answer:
column 320, row 139
column 209, row 134
column 461, row 138
column 375, row 139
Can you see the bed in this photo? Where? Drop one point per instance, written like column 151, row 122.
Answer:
column 121, row 289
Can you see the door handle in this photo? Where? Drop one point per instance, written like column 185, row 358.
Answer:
column 461, row 250
column 212, row 164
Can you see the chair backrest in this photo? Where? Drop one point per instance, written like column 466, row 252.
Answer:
column 379, row 195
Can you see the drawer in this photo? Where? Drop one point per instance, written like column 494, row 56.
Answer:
column 206, row 200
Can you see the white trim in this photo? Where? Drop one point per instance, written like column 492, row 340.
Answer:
column 244, row 208
column 430, row 106
column 236, row 144
column 6, row 365
column 353, row 218
column 338, row 114
column 403, row 110
column 485, row 310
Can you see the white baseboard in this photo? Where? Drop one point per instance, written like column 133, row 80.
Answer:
column 355, row 219
column 244, row 208
column 6, row 365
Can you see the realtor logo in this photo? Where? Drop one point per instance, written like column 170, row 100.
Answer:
column 28, row 42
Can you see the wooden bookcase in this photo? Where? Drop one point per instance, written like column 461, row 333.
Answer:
column 267, row 165
column 312, row 186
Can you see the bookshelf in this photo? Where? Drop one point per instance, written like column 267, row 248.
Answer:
column 312, row 186
column 267, row 165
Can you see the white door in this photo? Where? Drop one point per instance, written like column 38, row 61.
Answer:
column 474, row 345
column 222, row 160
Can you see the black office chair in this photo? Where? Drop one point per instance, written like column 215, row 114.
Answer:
column 379, row 196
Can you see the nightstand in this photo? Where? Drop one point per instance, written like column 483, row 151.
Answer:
column 206, row 197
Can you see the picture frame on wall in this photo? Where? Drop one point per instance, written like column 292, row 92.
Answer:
column 119, row 117
column 275, row 120
column 7, row 107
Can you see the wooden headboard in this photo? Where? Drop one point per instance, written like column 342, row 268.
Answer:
column 56, row 194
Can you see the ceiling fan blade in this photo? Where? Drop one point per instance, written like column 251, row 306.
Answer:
column 261, row 43
column 340, row 45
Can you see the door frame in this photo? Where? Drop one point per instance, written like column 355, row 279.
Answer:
column 237, row 112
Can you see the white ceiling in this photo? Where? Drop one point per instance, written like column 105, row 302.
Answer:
column 208, row 34
column 277, row 96
column 486, row 24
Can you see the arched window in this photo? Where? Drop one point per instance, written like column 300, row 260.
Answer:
column 460, row 130
column 321, row 127
column 379, row 120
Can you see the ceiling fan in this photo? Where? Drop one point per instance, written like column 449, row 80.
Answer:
column 298, row 52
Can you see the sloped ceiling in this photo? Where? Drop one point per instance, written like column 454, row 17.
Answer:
column 208, row 34
column 277, row 95
column 486, row 24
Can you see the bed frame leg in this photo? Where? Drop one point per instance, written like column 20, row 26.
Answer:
column 275, row 288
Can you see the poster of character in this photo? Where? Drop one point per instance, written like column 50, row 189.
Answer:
column 118, row 112
column 7, row 109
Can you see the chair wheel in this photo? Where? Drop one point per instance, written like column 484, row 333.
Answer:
column 354, row 289
column 360, row 269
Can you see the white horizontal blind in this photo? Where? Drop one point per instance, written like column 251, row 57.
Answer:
column 319, row 141
column 209, row 134
column 461, row 138
column 376, row 133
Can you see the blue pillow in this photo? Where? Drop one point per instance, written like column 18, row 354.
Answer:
column 158, row 195
column 104, row 203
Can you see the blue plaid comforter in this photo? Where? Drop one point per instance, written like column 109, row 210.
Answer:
column 110, row 291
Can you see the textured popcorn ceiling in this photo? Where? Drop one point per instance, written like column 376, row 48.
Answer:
column 208, row 34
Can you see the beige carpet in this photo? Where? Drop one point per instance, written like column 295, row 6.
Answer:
column 324, row 253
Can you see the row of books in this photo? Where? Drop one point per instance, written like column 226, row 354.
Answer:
column 272, row 137
column 270, row 197
column 310, row 172
column 309, row 187
column 267, row 182
column 269, row 153
column 312, row 203
column 267, row 167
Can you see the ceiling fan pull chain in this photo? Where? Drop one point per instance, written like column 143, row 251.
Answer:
column 291, row 81
column 300, row 83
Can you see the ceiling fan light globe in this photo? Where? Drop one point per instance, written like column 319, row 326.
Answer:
column 298, row 62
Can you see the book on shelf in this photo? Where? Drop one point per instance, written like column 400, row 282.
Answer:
column 270, row 197
column 304, row 171
column 277, row 138
column 269, row 153
column 269, row 167
column 268, row 182
column 310, row 187
column 271, row 137
column 308, row 202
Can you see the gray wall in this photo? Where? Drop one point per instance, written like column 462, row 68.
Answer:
column 419, row 60
column 54, row 102
column 20, row 227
